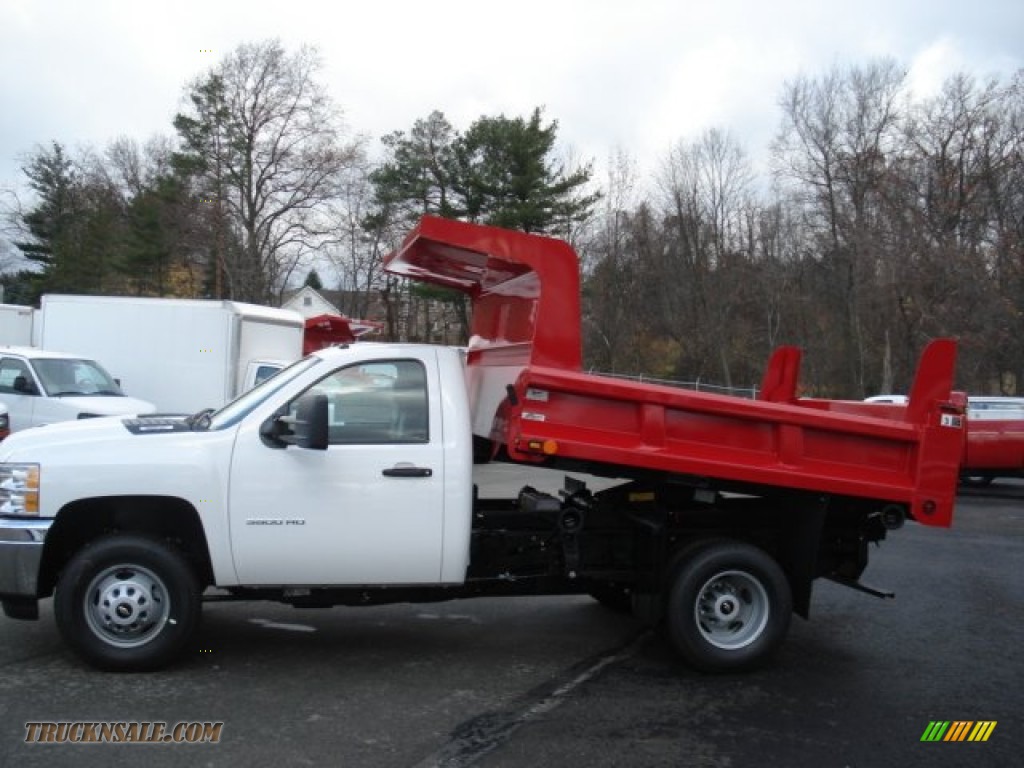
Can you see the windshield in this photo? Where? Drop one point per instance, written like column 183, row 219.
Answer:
column 61, row 376
column 238, row 408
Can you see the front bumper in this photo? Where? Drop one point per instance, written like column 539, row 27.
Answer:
column 21, row 550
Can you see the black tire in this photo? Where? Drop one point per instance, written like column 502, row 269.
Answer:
column 729, row 606
column 128, row 603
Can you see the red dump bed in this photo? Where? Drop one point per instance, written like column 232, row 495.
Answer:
column 529, row 392
column 327, row 330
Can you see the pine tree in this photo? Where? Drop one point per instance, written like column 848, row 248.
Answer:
column 313, row 281
column 506, row 175
column 52, row 177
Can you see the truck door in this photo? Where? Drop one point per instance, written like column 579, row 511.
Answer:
column 367, row 510
column 19, row 392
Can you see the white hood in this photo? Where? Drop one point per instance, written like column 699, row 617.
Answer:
column 103, row 405
column 82, row 433
column 85, row 438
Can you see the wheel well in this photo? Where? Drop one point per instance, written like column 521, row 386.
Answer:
column 163, row 518
column 808, row 536
column 792, row 544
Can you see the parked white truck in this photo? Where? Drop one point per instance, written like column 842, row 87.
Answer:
column 39, row 387
column 183, row 355
column 16, row 325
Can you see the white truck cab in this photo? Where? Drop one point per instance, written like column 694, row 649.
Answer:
column 380, row 493
column 38, row 387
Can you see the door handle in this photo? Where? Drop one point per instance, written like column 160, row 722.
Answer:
column 408, row 471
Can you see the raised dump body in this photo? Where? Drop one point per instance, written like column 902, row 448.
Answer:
column 532, row 399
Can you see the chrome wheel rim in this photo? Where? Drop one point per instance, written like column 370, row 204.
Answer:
column 731, row 610
column 126, row 605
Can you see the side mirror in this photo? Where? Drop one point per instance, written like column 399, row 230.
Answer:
column 311, row 423
column 23, row 386
column 307, row 429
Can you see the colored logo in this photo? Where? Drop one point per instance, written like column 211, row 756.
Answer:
column 958, row 730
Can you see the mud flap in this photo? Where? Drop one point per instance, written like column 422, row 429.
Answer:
column 799, row 553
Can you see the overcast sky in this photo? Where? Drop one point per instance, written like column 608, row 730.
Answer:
column 635, row 74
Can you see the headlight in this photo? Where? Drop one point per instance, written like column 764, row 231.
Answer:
column 19, row 489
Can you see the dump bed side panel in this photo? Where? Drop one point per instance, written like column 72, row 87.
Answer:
column 808, row 447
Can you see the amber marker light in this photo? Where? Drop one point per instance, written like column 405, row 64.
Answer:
column 547, row 447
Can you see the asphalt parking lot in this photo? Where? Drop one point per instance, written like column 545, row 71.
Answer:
column 545, row 681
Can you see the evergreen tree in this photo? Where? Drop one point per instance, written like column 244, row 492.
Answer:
column 313, row 281
column 148, row 250
column 21, row 287
column 416, row 178
column 505, row 175
column 52, row 177
column 74, row 230
column 502, row 171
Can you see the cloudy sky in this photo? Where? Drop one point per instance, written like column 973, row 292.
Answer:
column 635, row 74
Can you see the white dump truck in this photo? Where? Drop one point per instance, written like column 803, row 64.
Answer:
column 347, row 479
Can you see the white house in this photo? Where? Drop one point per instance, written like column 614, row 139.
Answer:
column 309, row 303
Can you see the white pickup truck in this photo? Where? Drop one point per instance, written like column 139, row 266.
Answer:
column 384, row 506
column 40, row 387
column 347, row 479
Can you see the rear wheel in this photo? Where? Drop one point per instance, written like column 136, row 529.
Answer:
column 729, row 606
column 127, row 603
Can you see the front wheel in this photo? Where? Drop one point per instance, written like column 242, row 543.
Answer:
column 729, row 606
column 127, row 603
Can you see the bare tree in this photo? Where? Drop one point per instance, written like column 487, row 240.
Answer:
column 838, row 137
column 611, row 300
column 963, row 156
column 265, row 143
column 357, row 250
column 705, row 188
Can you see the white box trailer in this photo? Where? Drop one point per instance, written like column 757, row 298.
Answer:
column 16, row 325
column 181, row 354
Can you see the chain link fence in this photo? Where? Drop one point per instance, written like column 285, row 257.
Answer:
column 698, row 386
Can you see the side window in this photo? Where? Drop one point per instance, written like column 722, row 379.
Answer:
column 264, row 372
column 15, row 377
column 375, row 403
